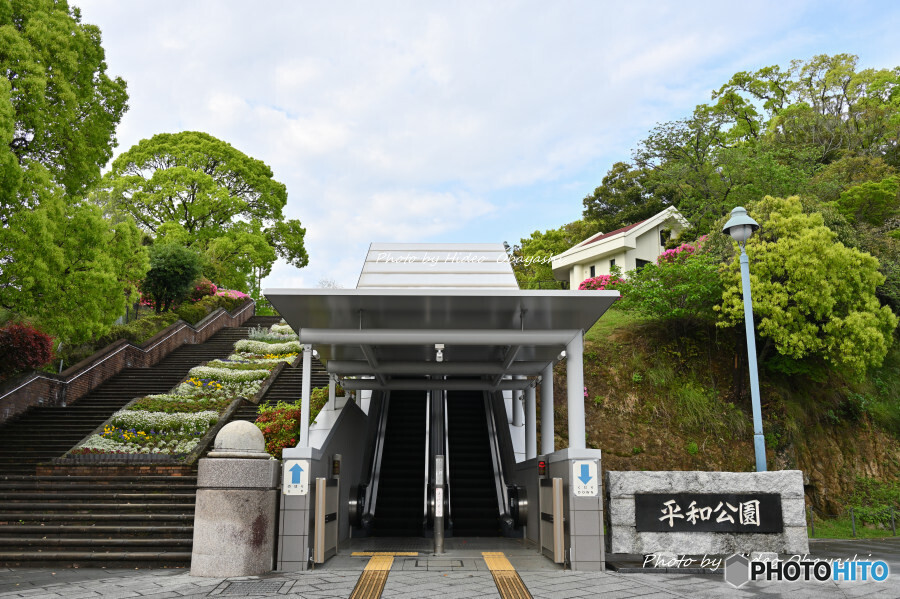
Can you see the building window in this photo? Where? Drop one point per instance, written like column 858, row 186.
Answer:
column 593, row 271
column 612, row 263
column 642, row 263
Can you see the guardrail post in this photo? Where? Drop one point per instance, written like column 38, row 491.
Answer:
column 893, row 525
column 812, row 522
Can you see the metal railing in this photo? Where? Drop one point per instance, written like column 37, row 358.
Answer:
column 811, row 520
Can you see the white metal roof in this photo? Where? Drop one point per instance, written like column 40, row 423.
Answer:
column 437, row 266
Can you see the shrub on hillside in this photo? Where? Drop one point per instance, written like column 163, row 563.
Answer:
column 23, row 347
column 202, row 288
column 197, row 311
column 172, row 270
column 600, row 283
column 280, row 424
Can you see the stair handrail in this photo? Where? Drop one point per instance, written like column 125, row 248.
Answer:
column 89, row 364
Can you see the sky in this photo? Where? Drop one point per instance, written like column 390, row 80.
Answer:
column 452, row 121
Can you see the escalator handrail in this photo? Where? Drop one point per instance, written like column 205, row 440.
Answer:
column 447, row 486
column 499, row 479
column 425, row 501
column 375, row 475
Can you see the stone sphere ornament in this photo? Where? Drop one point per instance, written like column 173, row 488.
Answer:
column 239, row 439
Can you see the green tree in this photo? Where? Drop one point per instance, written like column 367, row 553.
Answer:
column 65, row 267
column 191, row 187
column 622, row 199
column 531, row 258
column 58, row 108
column 812, row 296
column 823, row 103
column 684, row 285
column 872, row 202
column 836, row 177
column 173, row 269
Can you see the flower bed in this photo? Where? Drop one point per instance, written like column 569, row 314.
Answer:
column 257, row 347
column 174, row 424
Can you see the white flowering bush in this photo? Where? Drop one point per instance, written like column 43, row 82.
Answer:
column 270, row 336
column 141, row 420
column 265, row 360
column 283, row 329
column 228, row 374
column 260, row 347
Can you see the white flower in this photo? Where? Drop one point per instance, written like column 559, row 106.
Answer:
column 260, row 347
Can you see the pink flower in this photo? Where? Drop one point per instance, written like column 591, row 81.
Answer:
column 598, row 283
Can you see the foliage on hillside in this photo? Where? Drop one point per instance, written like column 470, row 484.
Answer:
column 663, row 397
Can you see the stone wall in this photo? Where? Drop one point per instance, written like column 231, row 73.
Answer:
column 624, row 538
column 45, row 389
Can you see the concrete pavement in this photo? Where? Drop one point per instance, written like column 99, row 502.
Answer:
column 458, row 574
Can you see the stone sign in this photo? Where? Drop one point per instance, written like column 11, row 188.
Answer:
column 708, row 512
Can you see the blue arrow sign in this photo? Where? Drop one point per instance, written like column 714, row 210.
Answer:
column 295, row 471
column 585, row 474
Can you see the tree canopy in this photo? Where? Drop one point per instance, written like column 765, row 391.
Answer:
column 812, row 296
column 769, row 132
column 173, row 269
column 530, row 260
column 65, row 267
column 58, row 108
column 195, row 189
column 62, row 264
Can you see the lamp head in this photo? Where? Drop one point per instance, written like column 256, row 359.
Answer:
column 740, row 226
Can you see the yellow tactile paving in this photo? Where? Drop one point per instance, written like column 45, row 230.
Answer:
column 509, row 584
column 371, row 582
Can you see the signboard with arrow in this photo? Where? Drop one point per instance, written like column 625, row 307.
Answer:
column 584, row 478
column 295, row 478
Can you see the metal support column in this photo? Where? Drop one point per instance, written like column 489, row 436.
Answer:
column 304, row 407
column 575, row 390
column 518, row 408
column 530, row 423
column 331, row 392
column 547, row 434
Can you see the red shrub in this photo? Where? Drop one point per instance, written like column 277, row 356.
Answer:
column 23, row 347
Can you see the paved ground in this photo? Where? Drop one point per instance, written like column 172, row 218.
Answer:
column 458, row 574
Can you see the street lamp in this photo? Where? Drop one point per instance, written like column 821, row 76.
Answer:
column 740, row 226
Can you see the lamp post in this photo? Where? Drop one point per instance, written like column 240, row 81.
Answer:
column 740, row 227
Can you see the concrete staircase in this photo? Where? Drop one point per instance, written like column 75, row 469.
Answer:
column 99, row 520
column 96, row 521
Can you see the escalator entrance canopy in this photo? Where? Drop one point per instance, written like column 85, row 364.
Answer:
column 430, row 340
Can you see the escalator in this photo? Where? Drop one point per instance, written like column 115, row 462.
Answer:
column 474, row 508
column 399, row 510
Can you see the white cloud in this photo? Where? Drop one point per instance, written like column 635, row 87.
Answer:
column 416, row 120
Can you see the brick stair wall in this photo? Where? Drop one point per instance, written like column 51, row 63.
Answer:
column 44, row 389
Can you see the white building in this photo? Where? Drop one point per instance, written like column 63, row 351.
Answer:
column 628, row 248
